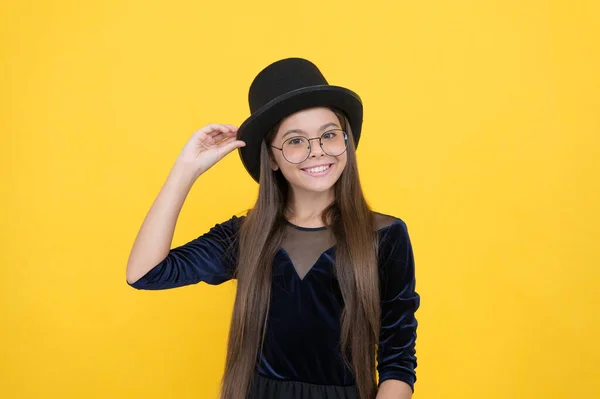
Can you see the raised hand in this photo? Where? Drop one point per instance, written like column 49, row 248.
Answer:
column 207, row 146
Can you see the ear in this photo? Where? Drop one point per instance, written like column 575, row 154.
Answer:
column 274, row 165
column 272, row 161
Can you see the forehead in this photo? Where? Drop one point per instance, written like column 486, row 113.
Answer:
column 308, row 120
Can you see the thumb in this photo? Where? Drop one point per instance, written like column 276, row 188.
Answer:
column 227, row 147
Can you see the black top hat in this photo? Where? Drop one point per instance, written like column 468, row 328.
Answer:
column 282, row 88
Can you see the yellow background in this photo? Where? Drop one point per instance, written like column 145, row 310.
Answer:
column 481, row 131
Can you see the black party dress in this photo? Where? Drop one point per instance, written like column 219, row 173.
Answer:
column 301, row 357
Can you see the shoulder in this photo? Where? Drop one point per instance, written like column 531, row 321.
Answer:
column 227, row 229
column 235, row 221
column 395, row 256
column 383, row 223
column 393, row 237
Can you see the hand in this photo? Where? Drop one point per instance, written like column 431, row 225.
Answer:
column 208, row 146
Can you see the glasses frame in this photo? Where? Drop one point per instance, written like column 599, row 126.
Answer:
column 320, row 145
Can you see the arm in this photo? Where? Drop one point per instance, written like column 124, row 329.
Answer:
column 154, row 239
column 211, row 258
column 396, row 360
column 151, row 257
column 394, row 389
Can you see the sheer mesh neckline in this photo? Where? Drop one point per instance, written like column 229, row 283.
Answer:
column 305, row 228
column 304, row 246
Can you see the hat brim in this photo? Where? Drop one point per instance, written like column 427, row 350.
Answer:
column 254, row 129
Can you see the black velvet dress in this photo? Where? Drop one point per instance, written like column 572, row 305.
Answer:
column 301, row 357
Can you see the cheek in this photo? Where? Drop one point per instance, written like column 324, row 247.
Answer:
column 287, row 169
column 277, row 160
column 342, row 161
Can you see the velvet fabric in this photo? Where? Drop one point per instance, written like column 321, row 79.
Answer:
column 303, row 325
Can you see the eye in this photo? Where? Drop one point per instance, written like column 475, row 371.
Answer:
column 329, row 135
column 295, row 141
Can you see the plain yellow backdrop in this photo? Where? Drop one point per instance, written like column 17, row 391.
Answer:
column 481, row 132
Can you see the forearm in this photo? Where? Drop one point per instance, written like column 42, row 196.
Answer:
column 394, row 389
column 155, row 236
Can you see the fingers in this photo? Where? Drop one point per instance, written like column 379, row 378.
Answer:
column 214, row 129
column 223, row 136
column 228, row 145
column 233, row 127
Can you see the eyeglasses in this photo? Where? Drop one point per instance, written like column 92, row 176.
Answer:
column 297, row 149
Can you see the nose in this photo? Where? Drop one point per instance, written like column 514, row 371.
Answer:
column 315, row 148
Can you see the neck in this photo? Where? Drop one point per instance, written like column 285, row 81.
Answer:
column 305, row 208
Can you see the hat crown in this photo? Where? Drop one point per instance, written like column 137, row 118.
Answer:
column 282, row 77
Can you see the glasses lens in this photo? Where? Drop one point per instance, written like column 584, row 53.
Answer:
column 295, row 150
column 334, row 142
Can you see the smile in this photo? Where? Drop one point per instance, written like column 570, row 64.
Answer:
column 320, row 170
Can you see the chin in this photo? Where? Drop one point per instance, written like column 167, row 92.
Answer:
column 317, row 188
column 317, row 185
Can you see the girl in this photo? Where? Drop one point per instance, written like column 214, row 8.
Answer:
column 325, row 286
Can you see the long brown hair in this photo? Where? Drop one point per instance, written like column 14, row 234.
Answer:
column 261, row 234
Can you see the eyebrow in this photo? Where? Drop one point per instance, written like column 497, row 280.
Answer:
column 325, row 126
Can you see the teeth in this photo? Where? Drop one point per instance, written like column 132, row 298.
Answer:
column 318, row 169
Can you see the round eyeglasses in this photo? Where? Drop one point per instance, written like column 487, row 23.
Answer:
column 297, row 149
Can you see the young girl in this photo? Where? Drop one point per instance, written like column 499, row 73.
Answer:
column 325, row 286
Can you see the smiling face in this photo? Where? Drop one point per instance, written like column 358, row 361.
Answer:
column 319, row 171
